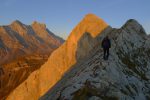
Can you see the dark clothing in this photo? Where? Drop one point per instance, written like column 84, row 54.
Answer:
column 106, row 53
column 106, row 45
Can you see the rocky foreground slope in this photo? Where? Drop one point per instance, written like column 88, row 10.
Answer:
column 23, row 49
column 77, row 71
column 124, row 76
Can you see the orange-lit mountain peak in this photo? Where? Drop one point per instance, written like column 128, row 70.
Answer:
column 92, row 16
column 16, row 22
column 37, row 24
column 89, row 24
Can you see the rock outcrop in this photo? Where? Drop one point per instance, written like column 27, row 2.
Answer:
column 61, row 60
column 23, row 49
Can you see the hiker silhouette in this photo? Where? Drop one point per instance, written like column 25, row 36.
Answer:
column 106, row 45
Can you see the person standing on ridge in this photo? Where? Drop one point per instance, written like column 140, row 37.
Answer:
column 106, row 45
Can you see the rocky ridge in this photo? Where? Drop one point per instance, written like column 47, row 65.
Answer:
column 125, row 76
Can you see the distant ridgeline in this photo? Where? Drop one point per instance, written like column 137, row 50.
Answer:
column 18, row 39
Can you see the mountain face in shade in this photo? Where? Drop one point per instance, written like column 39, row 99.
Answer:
column 77, row 71
column 19, row 39
column 61, row 60
column 23, row 49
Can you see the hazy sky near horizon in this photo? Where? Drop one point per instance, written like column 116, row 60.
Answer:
column 61, row 16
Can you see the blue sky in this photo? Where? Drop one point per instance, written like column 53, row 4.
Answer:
column 61, row 16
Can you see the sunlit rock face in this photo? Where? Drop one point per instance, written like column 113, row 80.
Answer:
column 124, row 76
column 23, row 49
column 61, row 60
column 14, row 73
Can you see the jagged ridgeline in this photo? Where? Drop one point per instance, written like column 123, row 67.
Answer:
column 77, row 71
column 18, row 39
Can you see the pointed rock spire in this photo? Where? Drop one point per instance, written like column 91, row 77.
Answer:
column 91, row 24
column 133, row 26
column 16, row 22
column 37, row 24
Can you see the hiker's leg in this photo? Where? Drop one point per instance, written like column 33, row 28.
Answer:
column 107, row 52
column 104, row 53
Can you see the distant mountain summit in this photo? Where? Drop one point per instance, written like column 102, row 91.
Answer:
column 19, row 27
column 18, row 39
column 77, row 71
